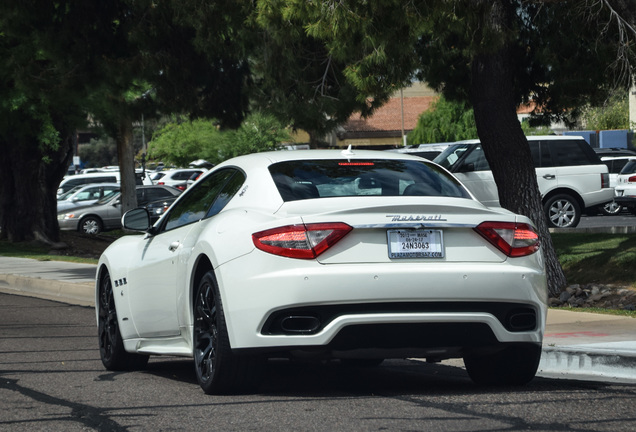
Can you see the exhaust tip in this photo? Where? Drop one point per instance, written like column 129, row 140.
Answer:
column 300, row 324
column 522, row 320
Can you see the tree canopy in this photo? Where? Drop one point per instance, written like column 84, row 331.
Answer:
column 494, row 55
column 183, row 140
column 309, row 62
column 444, row 121
column 64, row 60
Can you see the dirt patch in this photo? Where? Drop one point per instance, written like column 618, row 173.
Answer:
column 597, row 296
column 73, row 243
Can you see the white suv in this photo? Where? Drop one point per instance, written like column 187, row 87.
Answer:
column 570, row 175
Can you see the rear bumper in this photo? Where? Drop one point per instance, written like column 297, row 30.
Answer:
column 601, row 196
column 402, row 308
column 626, row 201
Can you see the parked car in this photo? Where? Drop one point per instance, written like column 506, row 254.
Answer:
column 157, row 208
column 570, row 175
column 186, row 184
column 85, row 195
column 105, row 214
column 427, row 151
column 626, row 186
column 175, row 176
column 614, row 165
column 69, row 182
column 352, row 255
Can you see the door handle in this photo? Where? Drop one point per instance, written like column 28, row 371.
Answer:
column 174, row 246
column 549, row 176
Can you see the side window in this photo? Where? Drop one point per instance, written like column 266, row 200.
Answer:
column 101, row 180
column 197, row 202
column 617, row 165
column 84, row 195
column 475, row 161
column 183, row 175
column 569, row 152
column 535, row 151
column 108, row 191
column 541, row 154
column 156, row 194
column 629, row 168
column 228, row 192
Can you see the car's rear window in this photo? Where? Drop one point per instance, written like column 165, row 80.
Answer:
column 629, row 168
column 306, row 179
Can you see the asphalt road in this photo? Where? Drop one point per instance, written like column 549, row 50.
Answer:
column 51, row 378
column 624, row 219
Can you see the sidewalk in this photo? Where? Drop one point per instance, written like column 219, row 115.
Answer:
column 576, row 345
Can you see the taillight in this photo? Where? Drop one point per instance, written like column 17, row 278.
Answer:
column 300, row 241
column 605, row 181
column 631, row 179
column 513, row 239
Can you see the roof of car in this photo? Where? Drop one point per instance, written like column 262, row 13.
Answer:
column 614, row 151
column 611, row 158
column 531, row 138
column 290, row 155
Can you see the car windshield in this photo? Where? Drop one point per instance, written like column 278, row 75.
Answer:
column 305, row 179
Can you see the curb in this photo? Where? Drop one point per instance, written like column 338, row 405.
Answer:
column 82, row 294
column 588, row 363
column 631, row 229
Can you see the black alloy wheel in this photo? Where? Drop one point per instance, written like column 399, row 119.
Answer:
column 111, row 346
column 218, row 370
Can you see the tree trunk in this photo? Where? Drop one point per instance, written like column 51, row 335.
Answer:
column 506, row 147
column 126, row 158
column 29, row 178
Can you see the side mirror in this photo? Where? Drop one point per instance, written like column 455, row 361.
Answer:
column 136, row 220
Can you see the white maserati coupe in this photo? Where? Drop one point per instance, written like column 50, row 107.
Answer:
column 351, row 255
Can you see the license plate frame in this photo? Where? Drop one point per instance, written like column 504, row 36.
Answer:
column 415, row 243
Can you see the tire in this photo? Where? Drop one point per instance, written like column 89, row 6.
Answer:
column 562, row 211
column 91, row 225
column 218, row 370
column 611, row 208
column 515, row 365
column 111, row 346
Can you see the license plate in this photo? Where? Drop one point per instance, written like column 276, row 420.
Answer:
column 415, row 244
